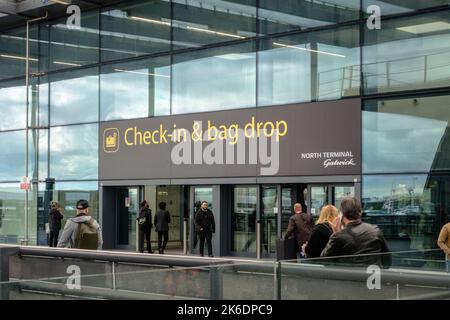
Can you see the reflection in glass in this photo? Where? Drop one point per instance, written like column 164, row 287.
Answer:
column 322, row 65
column 407, row 54
column 12, row 52
column 341, row 192
column 406, row 135
column 12, row 105
column 12, row 157
column 203, row 22
column 407, row 209
column 269, row 218
column 71, row 47
column 136, row 89
column 135, row 28
column 396, row 7
column 68, row 193
column 319, row 198
column 281, row 15
column 74, row 152
column 12, row 218
column 214, row 79
column 243, row 219
column 74, row 97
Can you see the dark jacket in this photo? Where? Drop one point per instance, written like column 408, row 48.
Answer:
column 301, row 226
column 205, row 220
column 147, row 213
column 54, row 219
column 359, row 238
column 162, row 220
column 320, row 235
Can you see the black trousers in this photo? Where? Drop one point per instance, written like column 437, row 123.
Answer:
column 205, row 235
column 144, row 233
column 53, row 241
column 162, row 244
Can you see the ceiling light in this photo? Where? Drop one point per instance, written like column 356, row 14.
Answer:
column 17, row 57
column 142, row 73
column 310, row 50
column 67, row 63
column 150, row 20
column 426, row 27
column 60, row 2
column 215, row 32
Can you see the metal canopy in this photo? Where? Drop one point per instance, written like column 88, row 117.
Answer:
column 15, row 13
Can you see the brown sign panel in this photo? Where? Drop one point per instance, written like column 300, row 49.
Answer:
column 293, row 140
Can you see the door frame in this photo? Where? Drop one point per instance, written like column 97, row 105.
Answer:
column 330, row 191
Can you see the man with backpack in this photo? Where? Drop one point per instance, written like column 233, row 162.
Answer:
column 82, row 231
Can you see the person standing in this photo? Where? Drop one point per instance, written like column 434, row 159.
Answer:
column 162, row 220
column 54, row 220
column 301, row 225
column 356, row 238
column 145, row 226
column 444, row 243
column 206, row 226
column 321, row 232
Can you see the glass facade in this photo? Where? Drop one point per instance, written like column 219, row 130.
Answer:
column 141, row 59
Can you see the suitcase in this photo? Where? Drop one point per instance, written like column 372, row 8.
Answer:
column 287, row 249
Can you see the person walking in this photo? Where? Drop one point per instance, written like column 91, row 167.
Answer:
column 300, row 225
column 82, row 231
column 162, row 220
column 206, row 226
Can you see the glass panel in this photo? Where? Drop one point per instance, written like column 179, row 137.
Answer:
column 243, row 220
column 203, row 194
column 74, row 97
column 214, row 79
column 395, row 7
column 12, row 215
column 74, row 152
column 203, row 22
column 135, row 89
column 72, row 47
column 320, row 65
column 341, row 192
column 135, row 28
column 269, row 219
column 12, row 105
column 128, row 210
column 12, row 52
column 12, row 157
column 281, row 15
column 409, row 209
column 406, row 135
column 287, row 205
column 68, row 193
column 407, row 54
column 319, row 198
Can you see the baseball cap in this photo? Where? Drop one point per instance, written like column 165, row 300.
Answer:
column 82, row 204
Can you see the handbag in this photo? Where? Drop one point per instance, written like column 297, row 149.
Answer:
column 47, row 228
column 142, row 220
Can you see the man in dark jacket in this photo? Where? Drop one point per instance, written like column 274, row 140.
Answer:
column 145, row 226
column 356, row 238
column 162, row 220
column 205, row 225
column 54, row 220
column 301, row 225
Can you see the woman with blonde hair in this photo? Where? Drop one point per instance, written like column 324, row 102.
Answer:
column 321, row 232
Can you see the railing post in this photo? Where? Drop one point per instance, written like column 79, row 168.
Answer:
column 114, row 280
column 5, row 253
column 258, row 239
column 185, row 226
column 216, row 283
column 277, row 280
